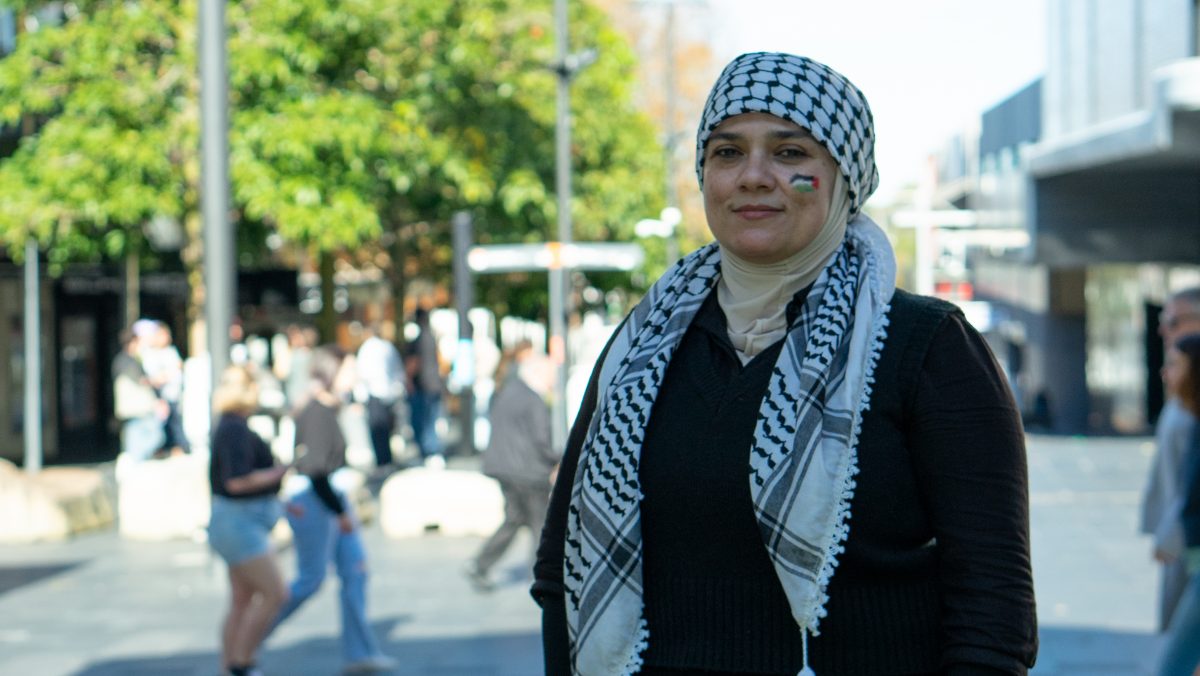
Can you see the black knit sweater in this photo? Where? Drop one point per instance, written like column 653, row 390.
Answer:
column 936, row 574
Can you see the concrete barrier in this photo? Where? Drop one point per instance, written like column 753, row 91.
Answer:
column 454, row 502
column 163, row 499
column 54, row 504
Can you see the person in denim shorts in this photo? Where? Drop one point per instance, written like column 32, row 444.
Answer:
column 245, row 480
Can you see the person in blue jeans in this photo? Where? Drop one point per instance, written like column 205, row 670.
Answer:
column 423, row 366
column 1181, row 652
column 322, row 520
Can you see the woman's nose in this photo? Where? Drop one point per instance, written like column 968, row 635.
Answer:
column 756, row 171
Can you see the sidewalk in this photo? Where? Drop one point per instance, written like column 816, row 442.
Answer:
column 97, row 605
column 1096, row 584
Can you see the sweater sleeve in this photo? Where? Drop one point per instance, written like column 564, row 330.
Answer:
column 969, row 455
column 547, row 571
column 326, row 494
column 548, row 588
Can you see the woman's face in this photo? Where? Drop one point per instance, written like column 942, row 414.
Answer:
column 752, row 208
column 1174, row 372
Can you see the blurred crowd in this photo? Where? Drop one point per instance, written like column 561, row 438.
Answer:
column 162, row 402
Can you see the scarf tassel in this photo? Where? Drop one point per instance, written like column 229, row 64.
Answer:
column 807, row 670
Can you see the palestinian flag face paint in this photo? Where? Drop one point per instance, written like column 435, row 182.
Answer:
column 805, row 183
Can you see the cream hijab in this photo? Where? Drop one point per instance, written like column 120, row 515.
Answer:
column 755, row 297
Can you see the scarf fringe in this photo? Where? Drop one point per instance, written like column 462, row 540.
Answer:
column 841, row 521
column 641, row 641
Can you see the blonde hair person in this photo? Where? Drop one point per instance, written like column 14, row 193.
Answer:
column 244, row 479
column 783, row 464
column 236, row 392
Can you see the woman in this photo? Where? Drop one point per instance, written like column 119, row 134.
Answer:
column 784, row 464
column 1181, row 376
column 322, row 521
column 245, row 480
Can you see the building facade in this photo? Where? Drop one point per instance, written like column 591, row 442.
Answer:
column 1099, row 164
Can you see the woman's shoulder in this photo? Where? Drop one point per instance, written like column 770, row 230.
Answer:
column 915, row 324
column 913, row 318
column 917, row 305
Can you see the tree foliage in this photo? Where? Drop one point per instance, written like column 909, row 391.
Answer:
column 351, row 123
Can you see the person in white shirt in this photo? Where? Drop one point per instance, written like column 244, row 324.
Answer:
column 381, row 384
column 164, row 369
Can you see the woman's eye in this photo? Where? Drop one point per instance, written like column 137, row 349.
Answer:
column 725, row 151
column 792, row 153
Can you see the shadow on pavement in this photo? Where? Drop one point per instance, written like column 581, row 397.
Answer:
column 14, row 577
column 1093, row 651
column 516, row 654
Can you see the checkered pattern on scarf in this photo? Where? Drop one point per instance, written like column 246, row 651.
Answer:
column 808, row 93
column 801, row 464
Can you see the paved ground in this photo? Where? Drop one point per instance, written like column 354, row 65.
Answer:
column 100, row 606
column 1095, row 581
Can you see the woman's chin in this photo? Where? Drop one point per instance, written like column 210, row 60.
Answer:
column 760, row 253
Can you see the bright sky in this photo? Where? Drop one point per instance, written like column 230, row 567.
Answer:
column 927, row 67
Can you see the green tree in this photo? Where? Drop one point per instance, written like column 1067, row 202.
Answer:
column 353, row 124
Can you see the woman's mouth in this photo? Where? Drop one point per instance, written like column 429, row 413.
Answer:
column 756, row 211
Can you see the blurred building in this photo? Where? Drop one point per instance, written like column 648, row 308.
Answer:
column 1093, row 171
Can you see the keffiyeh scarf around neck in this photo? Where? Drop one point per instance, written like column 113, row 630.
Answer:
column 802, row 461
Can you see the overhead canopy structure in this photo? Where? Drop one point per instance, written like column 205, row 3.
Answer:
column 1124, row 190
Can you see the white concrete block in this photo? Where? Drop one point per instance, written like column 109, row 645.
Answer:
column 454, row 502
column 163, row 499
column 53, row 504
column 28, row 515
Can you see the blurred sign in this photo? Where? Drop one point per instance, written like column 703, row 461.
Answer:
column 553, row 256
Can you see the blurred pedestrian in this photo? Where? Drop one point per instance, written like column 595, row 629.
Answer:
column 322, row 518
column 519, row 455
column 423, row 366
column 295, row 368
column 245, row 480
column 777, row 440
column 381, row 382
column 164, row 368
column 1164, row 485
column 1181, row 374
column 136, row 404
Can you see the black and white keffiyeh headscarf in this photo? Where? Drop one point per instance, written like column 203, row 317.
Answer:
column 803, row 458
column 808, row 93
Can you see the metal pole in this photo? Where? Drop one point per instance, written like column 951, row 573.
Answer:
column 559, row 275
column 33, row 361
column 219, row 250
column 669, row 76
column 464, row 298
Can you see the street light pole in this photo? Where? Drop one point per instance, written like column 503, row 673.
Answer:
column 669, row 170
column 219, row 251
column 33, row 360
column 559, row 275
